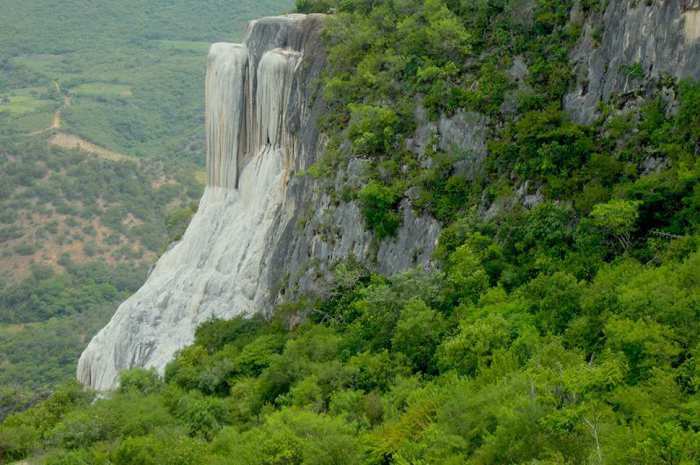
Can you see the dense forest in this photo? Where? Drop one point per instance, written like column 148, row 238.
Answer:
column 79, row 229
column 566, row 331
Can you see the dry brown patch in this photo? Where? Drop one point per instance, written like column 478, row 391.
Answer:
column 52, row 249
column 160, row 182
column 73, row 142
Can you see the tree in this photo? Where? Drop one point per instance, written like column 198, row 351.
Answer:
column 378, row 203
column 372, row 129
column 418, row 333
column 467, row 277
column 618, row 219
column 140, row 380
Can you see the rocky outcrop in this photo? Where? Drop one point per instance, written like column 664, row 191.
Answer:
column 463, row 134
column 654, row 38
column 263, row 233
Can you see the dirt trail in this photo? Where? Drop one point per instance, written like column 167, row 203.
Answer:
column 73, row 142
column 56, row 119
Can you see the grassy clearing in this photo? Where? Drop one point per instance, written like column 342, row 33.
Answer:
column 22, row 104
column 24, row 124
column 11, row 329
column 98, row 89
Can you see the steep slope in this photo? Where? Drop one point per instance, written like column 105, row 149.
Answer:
column 261, row 121
column 265, row 233
column 561, row 321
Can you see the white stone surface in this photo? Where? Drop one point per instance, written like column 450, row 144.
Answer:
column 217, row 269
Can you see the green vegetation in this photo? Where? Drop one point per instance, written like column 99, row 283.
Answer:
column 60, row 205
column 77, row 234
column 378, row 204
column 451, row 56
column 564, row 332
column 446, row 367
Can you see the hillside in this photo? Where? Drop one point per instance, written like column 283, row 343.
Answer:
column 556, row 320
column 101, row 153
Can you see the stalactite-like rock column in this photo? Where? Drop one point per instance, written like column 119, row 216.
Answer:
column 227, row 70
column 254, row 98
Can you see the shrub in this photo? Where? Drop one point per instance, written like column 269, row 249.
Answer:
column 378, row 204
column 372, row 129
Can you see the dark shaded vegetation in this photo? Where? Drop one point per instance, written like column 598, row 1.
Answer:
column 46, row 294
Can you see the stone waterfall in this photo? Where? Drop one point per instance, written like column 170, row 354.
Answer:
column 262, row 234
column 216, row 269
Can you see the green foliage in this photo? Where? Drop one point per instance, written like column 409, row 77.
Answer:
column 163, row 446
column 38, row 356
column 291, row 437
column 314, row 6
column 465, row 274
column 402, row 370
column 387, row 58
column 617, row 218
column 567, row 331
column 140, row 380
column 133, row 84
column 417, row 334
column 372, row 129
column 634, row 71
column 47, row 294
column 177, row 221
column 377, row 203
column 89, row 53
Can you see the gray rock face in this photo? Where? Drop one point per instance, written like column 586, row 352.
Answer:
column 463, row 134
column 262, row 234
column 465, row 131
column 660, row 37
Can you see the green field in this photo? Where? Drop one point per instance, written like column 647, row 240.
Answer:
column 97, row 89
column 20, row 104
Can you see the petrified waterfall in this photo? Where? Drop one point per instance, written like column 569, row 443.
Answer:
column 262, row 234
column 219, row 267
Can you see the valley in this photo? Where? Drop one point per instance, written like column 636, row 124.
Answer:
column 101, row 164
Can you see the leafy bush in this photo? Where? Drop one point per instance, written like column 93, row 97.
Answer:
column 378, row 204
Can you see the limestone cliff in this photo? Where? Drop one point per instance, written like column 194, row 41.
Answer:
column 630, row 45
column 262, row 231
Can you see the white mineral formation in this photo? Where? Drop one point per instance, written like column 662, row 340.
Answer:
column 217, row 269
